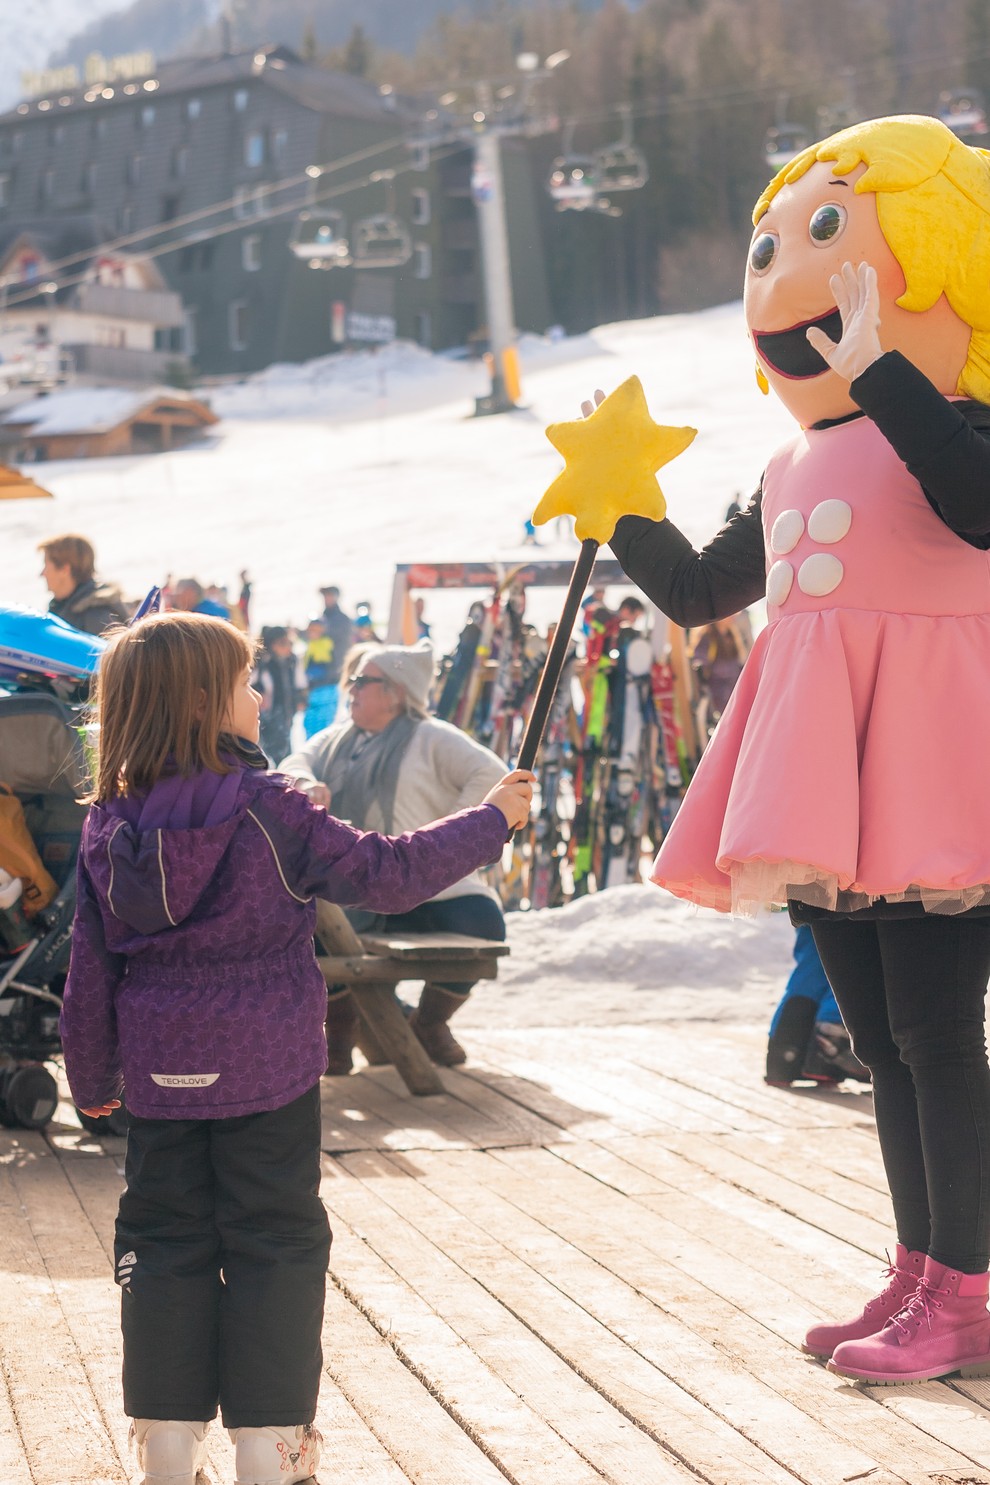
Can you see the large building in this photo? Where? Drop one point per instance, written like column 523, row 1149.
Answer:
column 214, row 167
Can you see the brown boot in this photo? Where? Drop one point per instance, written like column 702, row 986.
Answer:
column 342, row 1023
column 429, row 1022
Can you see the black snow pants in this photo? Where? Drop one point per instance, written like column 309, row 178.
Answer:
column 222, row 1246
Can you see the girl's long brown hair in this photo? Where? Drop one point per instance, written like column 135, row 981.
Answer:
column 161, row 695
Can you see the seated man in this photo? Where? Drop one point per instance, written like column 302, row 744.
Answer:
column 393, row 768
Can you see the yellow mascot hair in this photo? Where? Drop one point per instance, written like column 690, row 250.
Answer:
column 933, row 206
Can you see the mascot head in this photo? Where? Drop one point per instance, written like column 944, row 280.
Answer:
column 905, row 195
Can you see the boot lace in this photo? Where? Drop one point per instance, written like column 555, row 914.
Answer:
column 891, row 1273
column 919, row 1307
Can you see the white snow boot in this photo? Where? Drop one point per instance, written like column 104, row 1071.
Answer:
column 169, row 1452
column 276, row 1456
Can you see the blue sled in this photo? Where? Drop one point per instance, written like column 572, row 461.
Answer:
column 41, row 646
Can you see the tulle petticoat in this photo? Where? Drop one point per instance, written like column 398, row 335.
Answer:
column 762, row 886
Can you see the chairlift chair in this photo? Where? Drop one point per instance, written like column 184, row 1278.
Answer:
column 573, row 183
column 620, row 166
column 317, row 238
column 964, row 111
column 381, row 241
column 783, row 142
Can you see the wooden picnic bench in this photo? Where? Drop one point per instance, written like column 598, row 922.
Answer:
column 372, row 964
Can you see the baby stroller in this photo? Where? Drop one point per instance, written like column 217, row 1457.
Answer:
column 45, row 668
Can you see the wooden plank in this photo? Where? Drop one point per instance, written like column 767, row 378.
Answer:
column 820, row 1270
column 52, row 1326
column 509, row 1255
column 537, row 1097
column 477, row 1116
column 672, row 1103
column 361, row 969
column 777, row 1152
column 539, row 1420
column 632, row 1244
column 523, row 1058
column 434, row 946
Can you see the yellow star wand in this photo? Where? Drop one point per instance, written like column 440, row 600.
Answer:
column 611, row 459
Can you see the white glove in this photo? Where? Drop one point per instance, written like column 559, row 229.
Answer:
column 858, row 299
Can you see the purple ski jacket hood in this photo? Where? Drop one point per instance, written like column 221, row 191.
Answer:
column 193, row 986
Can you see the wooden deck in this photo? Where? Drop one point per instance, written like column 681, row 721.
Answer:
column 591, row 1260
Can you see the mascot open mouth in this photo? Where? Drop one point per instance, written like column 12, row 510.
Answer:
column 788, row 351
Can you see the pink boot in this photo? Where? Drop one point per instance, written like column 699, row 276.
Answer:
column 904, row 1273
column 944, row 1327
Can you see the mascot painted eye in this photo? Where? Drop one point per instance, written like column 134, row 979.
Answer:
column 764, row 251
column 827, row 222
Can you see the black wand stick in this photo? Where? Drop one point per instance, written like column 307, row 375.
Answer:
column 557, row 654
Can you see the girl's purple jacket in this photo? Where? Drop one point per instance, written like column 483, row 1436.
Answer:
column 193, row 987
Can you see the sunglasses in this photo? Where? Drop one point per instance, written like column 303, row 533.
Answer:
column 367, row 680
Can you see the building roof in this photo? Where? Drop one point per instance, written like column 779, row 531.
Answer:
column 96, row 409
column 336, row 93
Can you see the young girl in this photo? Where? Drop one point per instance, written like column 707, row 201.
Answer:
column 846, row 777
column 194, row 987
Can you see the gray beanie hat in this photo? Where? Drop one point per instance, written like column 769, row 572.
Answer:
column 409, row 666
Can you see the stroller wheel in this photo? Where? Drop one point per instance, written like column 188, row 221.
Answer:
column 28, row 1096
column 115, row 1123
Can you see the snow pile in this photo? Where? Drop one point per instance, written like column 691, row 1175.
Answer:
column 635, row 955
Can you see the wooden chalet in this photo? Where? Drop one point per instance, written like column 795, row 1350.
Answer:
column 94, row 422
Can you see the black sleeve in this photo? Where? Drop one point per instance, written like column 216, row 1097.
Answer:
column 945, row 445
column 695, row 587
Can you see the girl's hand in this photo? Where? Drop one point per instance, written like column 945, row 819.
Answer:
column 513, row 795
column 103, row 1110
column 858, row 298
column 588, row 407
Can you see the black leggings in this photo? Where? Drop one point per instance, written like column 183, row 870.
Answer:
column 912, row 993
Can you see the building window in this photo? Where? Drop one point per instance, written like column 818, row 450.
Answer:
column 134, row 170
column 241, row 100
column 194, row 108
column 170, row 208
column 5, row 185
column 180, row 162
column 237, row 324
column 419, row 156
column 125, row 217
column 251, row 253
column 422, row 260
column 98, row 127
column 280, row 143
column 424, row 328
column 56, row 135
column 88, row 182
column 147, row 116
column 191, row 343
column 206, row 255
column 46, row 185
column 186, row 259
column 420, row 207
column 16, row 141
column 254, row 149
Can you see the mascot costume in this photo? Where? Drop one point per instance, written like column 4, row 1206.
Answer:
column 846, row 778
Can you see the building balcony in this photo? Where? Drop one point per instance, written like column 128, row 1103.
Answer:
column 153, row 306
column 107, row 363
